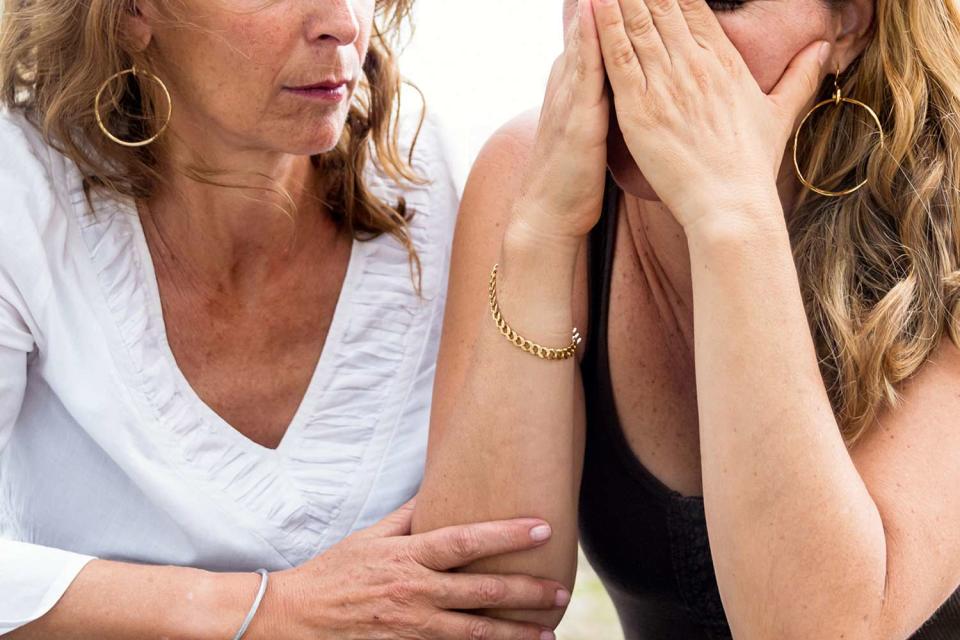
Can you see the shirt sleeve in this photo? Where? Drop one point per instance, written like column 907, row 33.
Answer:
column 32, row 578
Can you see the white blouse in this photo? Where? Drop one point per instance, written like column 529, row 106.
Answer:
column 107, row 452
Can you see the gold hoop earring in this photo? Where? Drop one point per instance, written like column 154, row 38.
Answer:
column 137, row 73
column 838, row 99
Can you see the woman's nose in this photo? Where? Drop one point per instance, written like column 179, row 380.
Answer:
column 333, row 20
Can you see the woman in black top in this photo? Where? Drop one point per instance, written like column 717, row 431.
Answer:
column 771, row 365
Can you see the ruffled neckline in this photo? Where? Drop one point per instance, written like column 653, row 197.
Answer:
column 309, row 489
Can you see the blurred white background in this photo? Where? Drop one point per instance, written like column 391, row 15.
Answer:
column 480, row 63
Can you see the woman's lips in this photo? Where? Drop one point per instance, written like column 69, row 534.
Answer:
column 322, row 91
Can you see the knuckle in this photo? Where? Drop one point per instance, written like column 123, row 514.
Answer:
column 701, row 78
column 639, row 25
column 661, row 7
column 403, row 591
column 542, row 592
column 441, row 591
column 466, row 543
column 409, row 623
column 393, row 619
column 479, row 630
column 491, row 591
column 623, row 55
column 402, row 554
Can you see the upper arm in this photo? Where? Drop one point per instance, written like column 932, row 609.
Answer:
column 910, row 462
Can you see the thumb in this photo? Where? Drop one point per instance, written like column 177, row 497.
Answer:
column 396, row 524
column 802, row 78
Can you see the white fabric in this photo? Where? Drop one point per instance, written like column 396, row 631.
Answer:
column 106, row 451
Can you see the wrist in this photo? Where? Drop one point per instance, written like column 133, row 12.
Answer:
column 221, row 601
column 535, row 285
column 736, row 222
column 534, row 227
column 275, row 618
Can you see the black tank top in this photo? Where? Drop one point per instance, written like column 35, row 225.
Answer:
column 647, row 542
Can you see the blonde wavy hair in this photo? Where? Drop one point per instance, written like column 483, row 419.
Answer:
column 880, row 269
column 56, row 54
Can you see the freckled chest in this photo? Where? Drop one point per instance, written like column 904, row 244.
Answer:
column 651, row 363
column 250, row 358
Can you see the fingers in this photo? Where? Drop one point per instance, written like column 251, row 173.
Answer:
column 590, row 59
column 462, row 626
column 468, row 591
column 454, row 547
column 397, row 523
column 801, row 79
column 669, row 20
column 619, row 56
column 703, row 24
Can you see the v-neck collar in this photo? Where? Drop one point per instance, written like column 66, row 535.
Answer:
column 319, row 379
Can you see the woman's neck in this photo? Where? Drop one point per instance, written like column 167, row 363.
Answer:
column 664, row 255
column 236, row 237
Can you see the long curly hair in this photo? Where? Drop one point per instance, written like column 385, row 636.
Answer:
column 56, row 54
column 880, row 269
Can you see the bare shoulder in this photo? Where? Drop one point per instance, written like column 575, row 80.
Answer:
column 494, row 184
column 497, row 175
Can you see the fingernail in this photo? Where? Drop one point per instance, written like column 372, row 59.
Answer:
column 540, row 532
column 547, row 635
column 563, row 598
column 824, row 52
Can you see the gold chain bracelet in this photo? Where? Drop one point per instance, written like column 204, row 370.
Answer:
column 544, row 353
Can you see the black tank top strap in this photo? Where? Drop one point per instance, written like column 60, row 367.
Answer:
column 600, row 260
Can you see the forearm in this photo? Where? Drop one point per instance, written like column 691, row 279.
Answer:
column 505, row 442
column 797, row 540
column 117, row 601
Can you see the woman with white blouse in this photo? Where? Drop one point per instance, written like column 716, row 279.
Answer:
column 222, row 274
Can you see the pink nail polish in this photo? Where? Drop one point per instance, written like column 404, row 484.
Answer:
column 540, row 533
column 824, row 52
column 563, row 598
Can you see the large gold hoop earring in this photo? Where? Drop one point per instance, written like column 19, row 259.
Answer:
column 137, row 73
column 838, row 99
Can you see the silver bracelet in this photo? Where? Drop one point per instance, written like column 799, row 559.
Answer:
column 264, row 578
